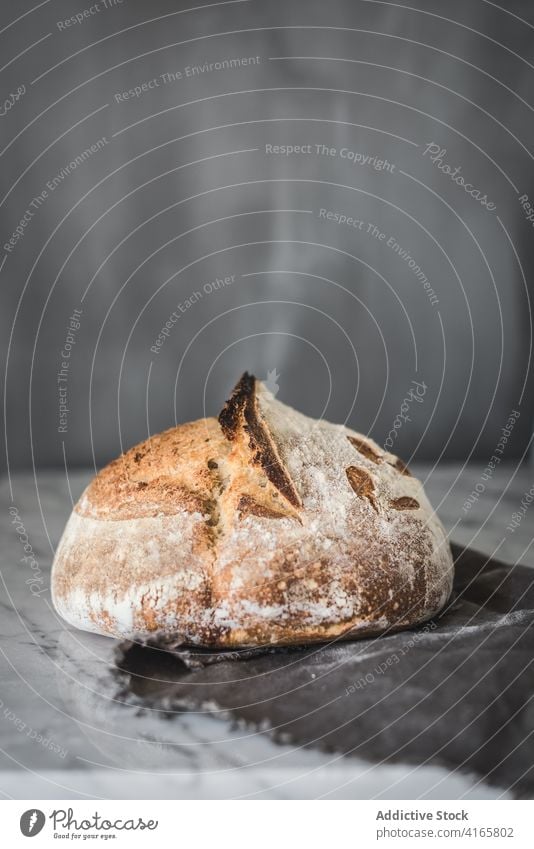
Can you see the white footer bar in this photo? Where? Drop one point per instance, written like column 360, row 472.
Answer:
column 245, row 824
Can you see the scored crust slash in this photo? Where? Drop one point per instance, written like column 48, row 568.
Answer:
column 241, row 412
column 261, row 527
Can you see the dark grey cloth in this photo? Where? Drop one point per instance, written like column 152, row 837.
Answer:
column 456, row 692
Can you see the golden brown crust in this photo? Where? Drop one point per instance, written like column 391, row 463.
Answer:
column 163, row 475
column 249, row 506
column 264, row 527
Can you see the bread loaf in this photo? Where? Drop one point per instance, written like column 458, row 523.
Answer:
column 263, row 526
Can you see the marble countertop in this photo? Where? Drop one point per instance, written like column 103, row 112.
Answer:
column 63, row 733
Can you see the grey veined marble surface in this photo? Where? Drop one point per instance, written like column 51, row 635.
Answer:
column 66, row 733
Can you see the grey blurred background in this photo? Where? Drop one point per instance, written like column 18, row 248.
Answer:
column 176, row 177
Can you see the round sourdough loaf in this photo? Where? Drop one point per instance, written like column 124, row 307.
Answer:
column 261, row 527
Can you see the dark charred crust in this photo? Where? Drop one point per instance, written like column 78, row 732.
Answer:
column 241, row 412
column 362, row 484
column 264, row 455
column 230, row 417
column 248, row 506
column 404, row 503
column 364, row 448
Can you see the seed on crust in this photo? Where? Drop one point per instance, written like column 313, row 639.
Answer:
column 364, row 448
column 362, row 484
column 404, row 503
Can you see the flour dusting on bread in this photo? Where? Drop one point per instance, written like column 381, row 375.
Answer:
column 260, row 527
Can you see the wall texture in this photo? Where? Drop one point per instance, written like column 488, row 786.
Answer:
column 334, row 196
